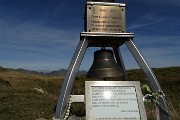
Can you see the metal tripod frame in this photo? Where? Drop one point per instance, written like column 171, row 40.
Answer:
column 114, row 40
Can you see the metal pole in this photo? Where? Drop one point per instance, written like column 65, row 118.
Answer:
column 119, row 60
column 70, row 77
column 152, row 80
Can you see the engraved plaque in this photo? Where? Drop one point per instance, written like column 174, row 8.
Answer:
column 114, row 100
column 108, row 18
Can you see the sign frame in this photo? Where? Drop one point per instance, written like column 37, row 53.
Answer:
column 88, row 96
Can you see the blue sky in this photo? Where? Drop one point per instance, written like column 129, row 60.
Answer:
column 43, row 34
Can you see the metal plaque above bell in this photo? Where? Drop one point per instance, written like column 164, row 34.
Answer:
column 104, row 65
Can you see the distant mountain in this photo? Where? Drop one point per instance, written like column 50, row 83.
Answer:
column 57, row 73
column 63, row 72
column 27, row 71
column 44, row 71
column 60, row 72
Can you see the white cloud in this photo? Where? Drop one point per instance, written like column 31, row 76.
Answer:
column 145, row 24
column 32, row 32
column 36, row 37
column 148, row 20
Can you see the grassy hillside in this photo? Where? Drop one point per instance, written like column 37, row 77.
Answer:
column 29, row 96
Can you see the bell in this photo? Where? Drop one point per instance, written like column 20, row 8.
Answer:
column 104, row 65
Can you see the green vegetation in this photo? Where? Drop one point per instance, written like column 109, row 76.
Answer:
column 29, row 96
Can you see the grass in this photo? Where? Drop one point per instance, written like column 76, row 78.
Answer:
column 26, row 104
column 20, row 101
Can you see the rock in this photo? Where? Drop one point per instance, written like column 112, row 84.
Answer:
column 40, row 90
column 5, row 84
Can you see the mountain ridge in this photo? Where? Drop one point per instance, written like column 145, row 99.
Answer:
column 60, row 72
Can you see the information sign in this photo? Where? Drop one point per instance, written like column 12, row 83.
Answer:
column 114, row 101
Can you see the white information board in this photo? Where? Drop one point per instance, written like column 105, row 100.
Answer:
column 114, row 100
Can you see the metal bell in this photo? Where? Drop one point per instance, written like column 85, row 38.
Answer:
column 104, row 65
